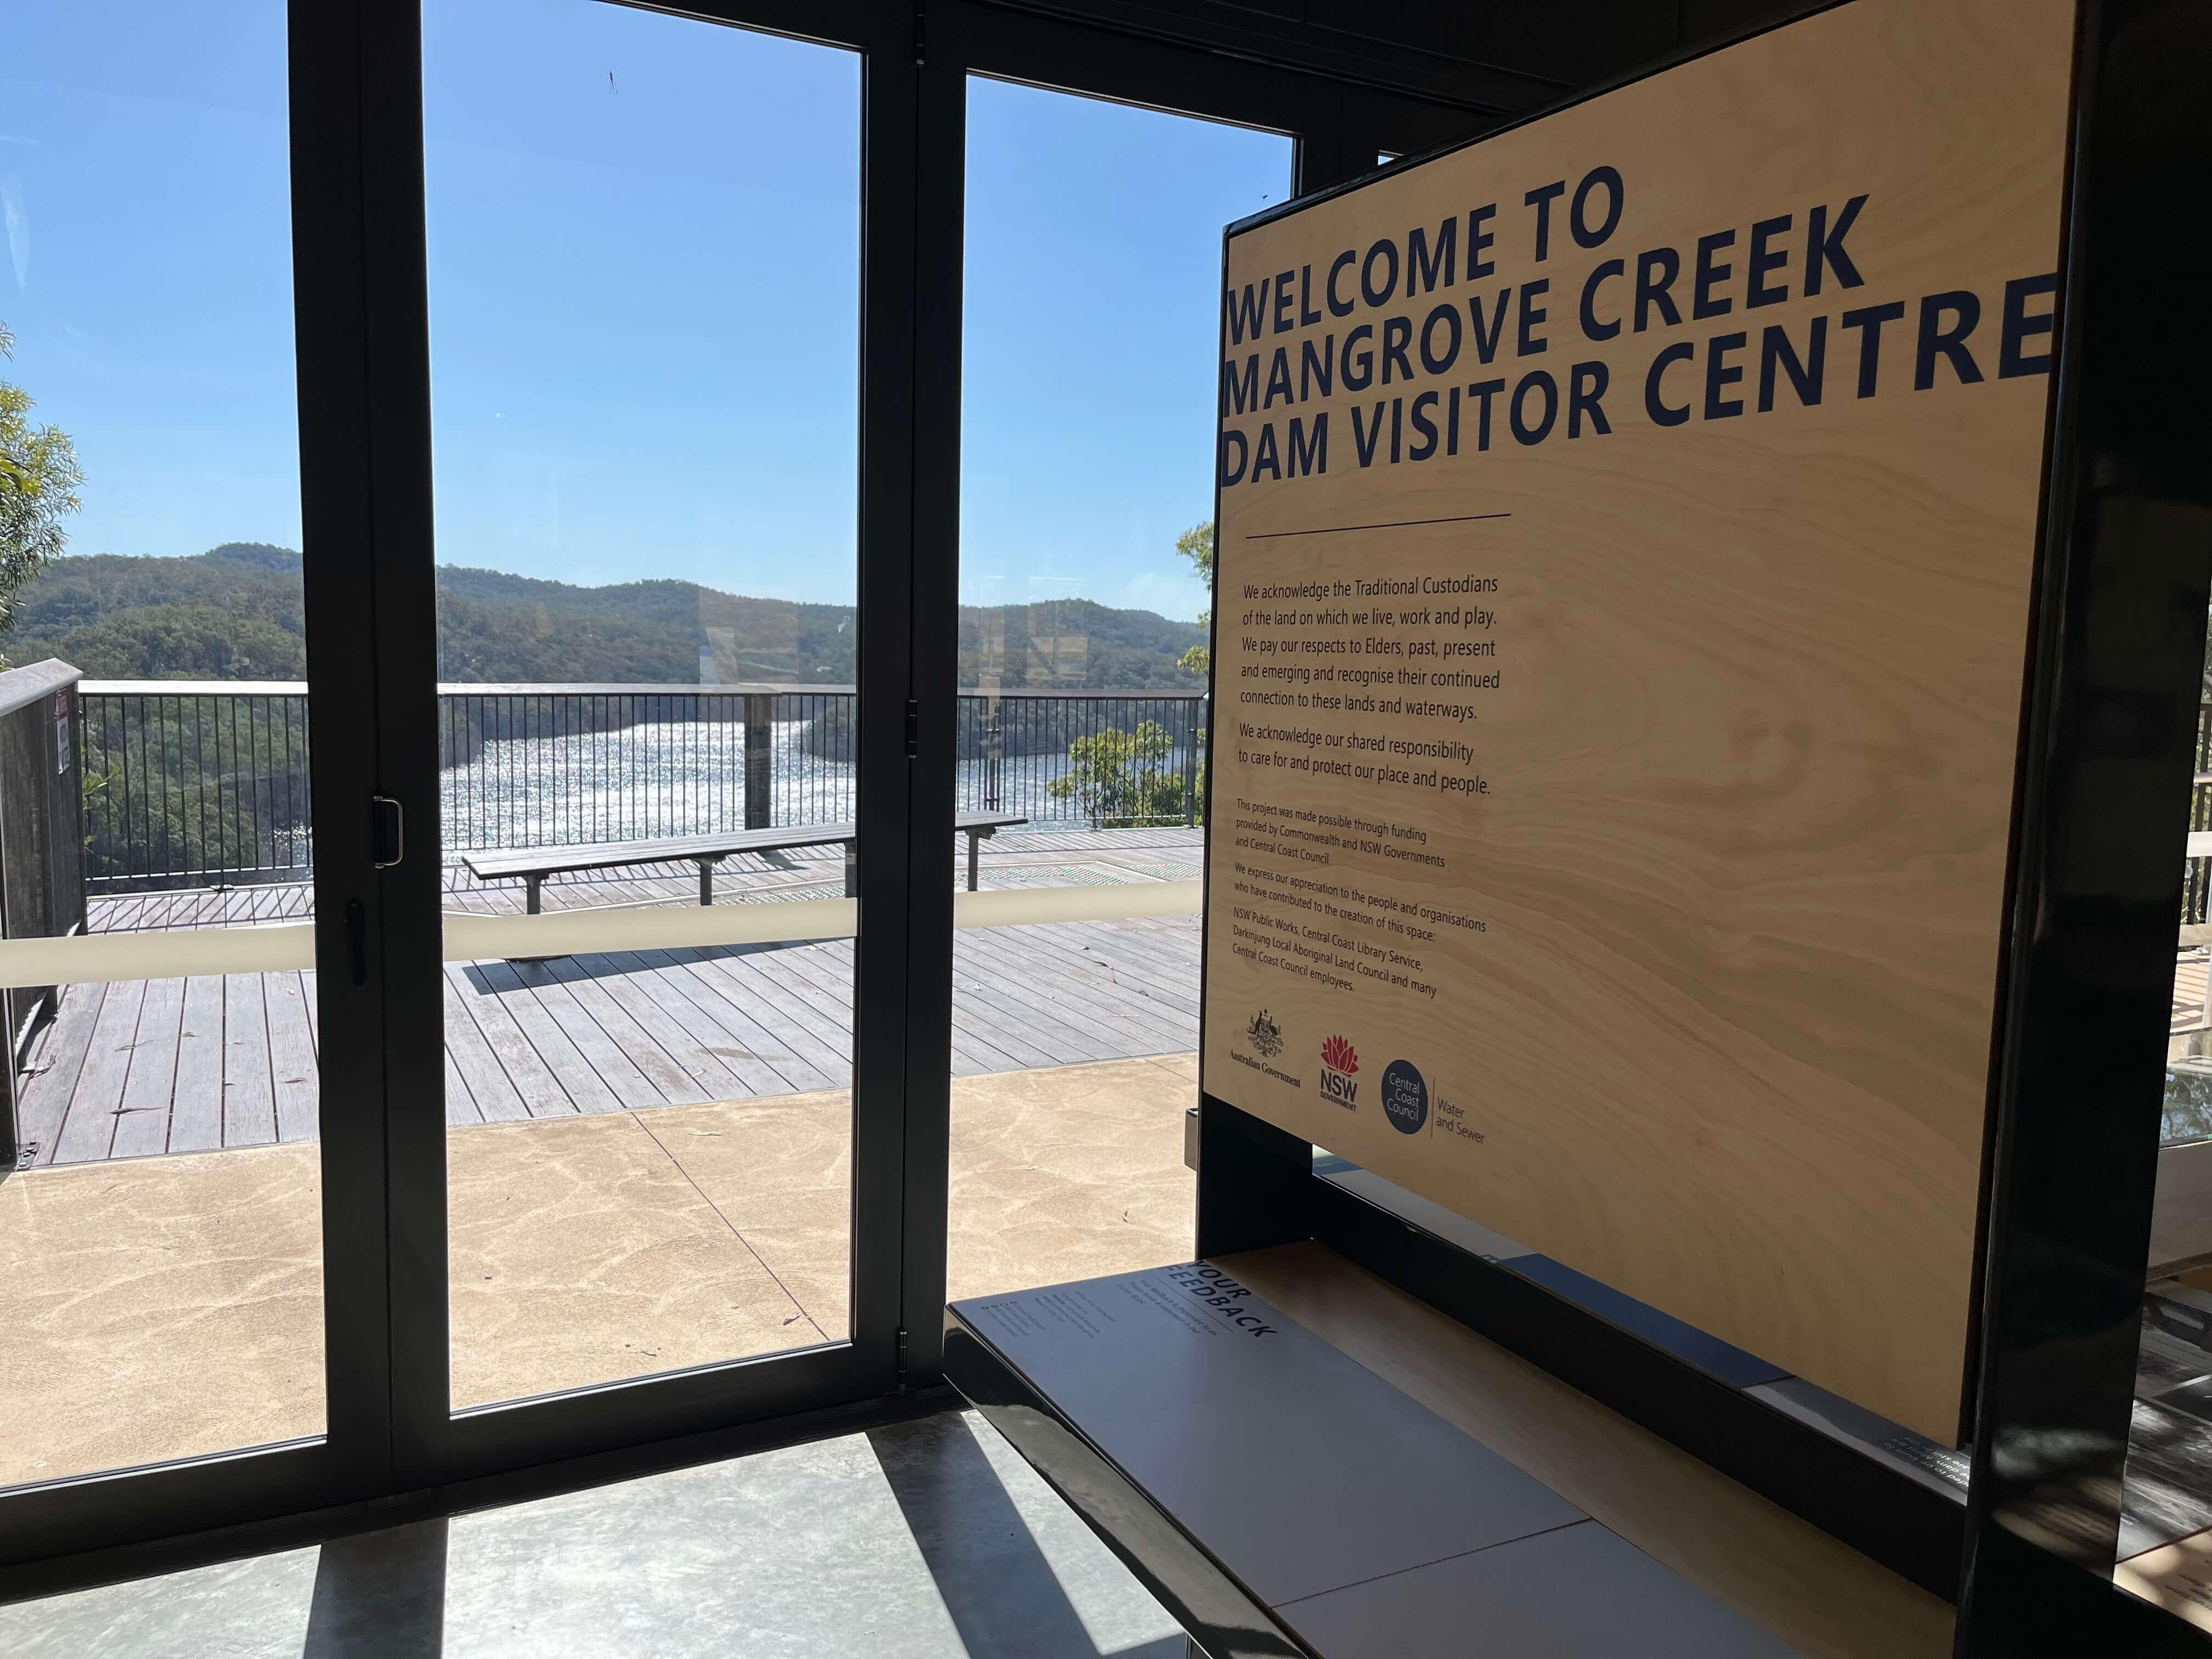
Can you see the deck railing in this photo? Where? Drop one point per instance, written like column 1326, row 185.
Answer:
column 197, row 783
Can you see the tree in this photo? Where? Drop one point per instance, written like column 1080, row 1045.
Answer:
column 1196, row 545
column 39, row 477
column 1121, row 779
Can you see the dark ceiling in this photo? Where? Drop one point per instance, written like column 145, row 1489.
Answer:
column 1504, row 55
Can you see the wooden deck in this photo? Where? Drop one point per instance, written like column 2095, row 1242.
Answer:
column 143, row 1068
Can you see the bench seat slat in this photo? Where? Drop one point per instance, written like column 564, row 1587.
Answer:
column 605, row 855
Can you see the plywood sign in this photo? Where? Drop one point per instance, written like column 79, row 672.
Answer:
column 1626, row 526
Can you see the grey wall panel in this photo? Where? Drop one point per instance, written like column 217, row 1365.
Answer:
column 1579, row 1593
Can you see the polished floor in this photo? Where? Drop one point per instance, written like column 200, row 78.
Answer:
column 926, row 1539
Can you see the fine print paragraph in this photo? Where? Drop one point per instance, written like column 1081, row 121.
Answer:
column 1379, row 681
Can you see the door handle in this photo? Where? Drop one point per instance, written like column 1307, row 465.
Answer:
column 387, row 833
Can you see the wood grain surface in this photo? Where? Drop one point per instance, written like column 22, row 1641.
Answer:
column 1817, row 1594
column 1724, row 1034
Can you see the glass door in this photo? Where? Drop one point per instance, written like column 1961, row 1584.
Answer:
column 181, row 1137
column 1093, row 241
column 653, row 771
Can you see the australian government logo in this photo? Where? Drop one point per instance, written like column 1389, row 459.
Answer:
column 1405, row 1097
column 1267, row 1037
column 1339, row 1073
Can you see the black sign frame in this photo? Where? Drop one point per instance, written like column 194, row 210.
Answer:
column 2110, row 701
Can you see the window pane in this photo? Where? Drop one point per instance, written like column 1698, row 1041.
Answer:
column 2166, row 1505
column 1093, row 262
column 644, row 297
column 159, row 1223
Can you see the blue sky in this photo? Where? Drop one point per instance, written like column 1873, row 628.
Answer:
column 643, row 298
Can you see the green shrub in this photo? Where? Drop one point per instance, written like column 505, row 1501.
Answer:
column 1121, row 779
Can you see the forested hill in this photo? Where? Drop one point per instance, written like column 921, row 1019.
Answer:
column 234, row 613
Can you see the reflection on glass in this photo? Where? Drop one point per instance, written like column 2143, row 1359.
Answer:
column 1093, row 260
column 644, row 284
column 2167, row 1507
column 160, row 1201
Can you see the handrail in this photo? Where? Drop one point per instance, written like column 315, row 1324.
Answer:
column 610, row 689
column 189, row 782
column 21, row 687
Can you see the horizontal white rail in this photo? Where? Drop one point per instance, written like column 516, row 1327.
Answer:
column 548, row 690
column 192, row 952
column 1021, row 907
column 184, row 953
column 588, row 933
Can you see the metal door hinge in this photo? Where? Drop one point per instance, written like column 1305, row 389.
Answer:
column 913, row 729
column 388, row 832
column 901, row 1357
column 920, row 55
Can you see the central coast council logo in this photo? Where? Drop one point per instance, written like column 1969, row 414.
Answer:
column 1340, row 1066
column 1405, row 1097
column 1264, row 1035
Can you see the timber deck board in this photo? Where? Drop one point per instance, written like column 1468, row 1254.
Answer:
column 196, row 1108
column 89, row 1135
column 136, row 1069
column 141, row 1123
column 292, row 1056
column 249, row 1094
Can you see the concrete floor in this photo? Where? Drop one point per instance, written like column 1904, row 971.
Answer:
column 928, row 1540
column 169, row 1307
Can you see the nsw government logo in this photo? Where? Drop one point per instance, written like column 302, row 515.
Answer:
column 1405, row 1098
column 1340, row 1066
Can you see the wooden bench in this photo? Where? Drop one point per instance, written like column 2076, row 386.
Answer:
column 533, row 864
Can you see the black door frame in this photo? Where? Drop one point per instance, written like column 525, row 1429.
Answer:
column 2108, row 751
column 431, row 1444
column 361, row 329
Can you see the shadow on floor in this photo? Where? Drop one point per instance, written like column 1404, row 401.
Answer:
column 910, row 1542
column 536, row 971
column 1005, row 1599
column 380, row 1595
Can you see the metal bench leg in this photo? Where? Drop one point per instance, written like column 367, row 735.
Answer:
column 706, row 881
column 531, row 885
column 975, row 840
column 852, row 870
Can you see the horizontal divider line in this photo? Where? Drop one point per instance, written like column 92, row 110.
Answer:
column 1394, row 524
column 195, row 952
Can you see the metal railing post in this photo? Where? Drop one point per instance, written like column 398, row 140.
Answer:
column 994, row 754
column 1190, row 764
column 758, row 782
